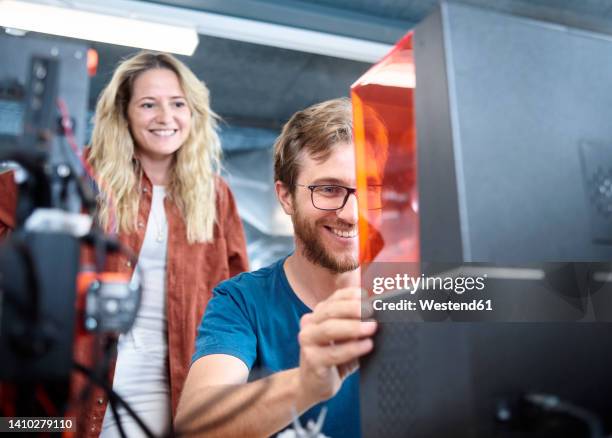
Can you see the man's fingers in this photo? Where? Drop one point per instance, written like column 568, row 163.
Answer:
column 346, row 293
column 346, row 352
column 350, row 309
column 305, row 320
column 336, row 330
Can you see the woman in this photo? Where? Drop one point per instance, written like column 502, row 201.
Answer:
column 155, row 156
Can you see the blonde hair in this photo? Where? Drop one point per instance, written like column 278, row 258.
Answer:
column 196, row 163
column 315, row 130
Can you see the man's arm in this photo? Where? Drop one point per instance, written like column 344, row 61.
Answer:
column 331, row 338
column 217, row 401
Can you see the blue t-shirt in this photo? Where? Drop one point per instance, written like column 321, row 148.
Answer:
column 255, row 317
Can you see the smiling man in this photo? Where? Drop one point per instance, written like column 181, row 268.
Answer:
column 299, row 320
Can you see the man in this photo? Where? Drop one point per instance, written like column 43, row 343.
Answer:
column 298, row 319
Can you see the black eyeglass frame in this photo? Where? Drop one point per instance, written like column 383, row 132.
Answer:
column 349, row 191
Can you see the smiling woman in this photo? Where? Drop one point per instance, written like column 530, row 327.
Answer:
column 154, row 120
column 159, row 119
column 156, row 154
column 155, row 158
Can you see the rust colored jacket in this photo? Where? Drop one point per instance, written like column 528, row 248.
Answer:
column 192, row 271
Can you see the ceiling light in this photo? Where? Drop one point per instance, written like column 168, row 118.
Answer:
column 94, row 26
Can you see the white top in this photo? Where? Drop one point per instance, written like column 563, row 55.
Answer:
column 141, row 373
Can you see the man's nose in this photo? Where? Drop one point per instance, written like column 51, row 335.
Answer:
column 349, row 213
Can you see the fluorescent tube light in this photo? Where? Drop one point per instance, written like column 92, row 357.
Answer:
column 94, row 26
column 247, row 30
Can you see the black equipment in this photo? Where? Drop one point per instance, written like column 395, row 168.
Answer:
column 514, row 167
column 42, row 305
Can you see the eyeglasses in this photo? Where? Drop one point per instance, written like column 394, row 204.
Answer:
column 334, row 197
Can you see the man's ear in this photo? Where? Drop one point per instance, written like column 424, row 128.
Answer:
column 284, row 197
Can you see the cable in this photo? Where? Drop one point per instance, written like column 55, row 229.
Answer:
column 117, row 418
column 112, row 395
column 102, row 366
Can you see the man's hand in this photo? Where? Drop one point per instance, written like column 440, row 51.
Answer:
column 332, row 338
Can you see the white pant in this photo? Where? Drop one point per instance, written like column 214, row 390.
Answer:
column 141, row 379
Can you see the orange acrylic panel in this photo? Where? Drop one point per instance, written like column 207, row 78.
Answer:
column 385, row 146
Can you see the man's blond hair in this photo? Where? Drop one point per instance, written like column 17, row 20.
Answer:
column 313, row 131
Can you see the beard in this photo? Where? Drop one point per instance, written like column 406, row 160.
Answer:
column 314, row 248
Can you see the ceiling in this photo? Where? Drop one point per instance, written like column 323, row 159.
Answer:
column 261, row 86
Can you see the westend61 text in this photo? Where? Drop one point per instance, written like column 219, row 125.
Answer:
column 424, row 305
